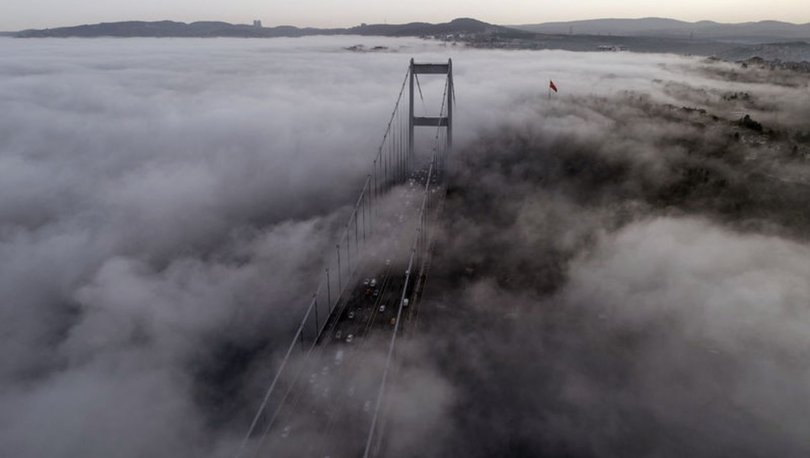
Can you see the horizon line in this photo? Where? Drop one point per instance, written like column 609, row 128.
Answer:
column 405, row 22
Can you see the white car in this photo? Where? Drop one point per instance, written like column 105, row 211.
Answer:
column 338, row 357
column 349, row 338
column 373, row 282
column 338, row 334
column 382, row 308
column 351, row 314
column 405, row 302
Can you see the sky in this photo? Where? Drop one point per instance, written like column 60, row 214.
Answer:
column 23, row 14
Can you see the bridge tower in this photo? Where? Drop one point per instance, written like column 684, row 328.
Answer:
column 445, row 118
column 393, row 165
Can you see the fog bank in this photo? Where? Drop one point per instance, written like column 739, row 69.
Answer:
column 620, row 273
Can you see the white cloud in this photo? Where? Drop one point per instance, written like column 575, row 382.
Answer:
column 163, row 199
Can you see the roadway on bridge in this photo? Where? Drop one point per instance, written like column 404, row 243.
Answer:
column 328, row 408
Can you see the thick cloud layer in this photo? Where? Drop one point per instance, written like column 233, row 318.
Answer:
column 626, row 274
column 671, row 338
column 164, row 206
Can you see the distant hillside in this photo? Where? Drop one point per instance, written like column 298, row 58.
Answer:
column 635, row 35
column 456, row 26
column 170, row 29
column 224, row 29
column 748, row 32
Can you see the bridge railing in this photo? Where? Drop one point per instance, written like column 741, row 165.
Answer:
column 391, row 166
column 420, row 251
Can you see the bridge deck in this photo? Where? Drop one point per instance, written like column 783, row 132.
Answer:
column 328, row 408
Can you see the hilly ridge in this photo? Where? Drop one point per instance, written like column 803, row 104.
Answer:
column 224, row 29
column 749, row 32
column 769, row 40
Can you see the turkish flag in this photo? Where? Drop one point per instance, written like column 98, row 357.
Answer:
column 552, row 86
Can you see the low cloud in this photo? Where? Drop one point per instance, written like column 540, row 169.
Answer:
column 165, row 206
column 622, row 274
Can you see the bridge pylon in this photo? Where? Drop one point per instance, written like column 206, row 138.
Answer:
column 445, row 118
column 362, row 239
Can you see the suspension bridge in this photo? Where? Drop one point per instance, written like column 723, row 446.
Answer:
column 328, row 394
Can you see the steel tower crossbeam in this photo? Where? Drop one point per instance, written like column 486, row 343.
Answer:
column 431, row 121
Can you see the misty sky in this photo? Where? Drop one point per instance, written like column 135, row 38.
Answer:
column 21, row 14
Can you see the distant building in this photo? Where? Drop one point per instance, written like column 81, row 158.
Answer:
column 257, row 23
column 611, row 48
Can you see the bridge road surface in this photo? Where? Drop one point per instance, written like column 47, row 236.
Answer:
column 328, row 410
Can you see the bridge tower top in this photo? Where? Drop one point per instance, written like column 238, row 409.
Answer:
column 443, row 120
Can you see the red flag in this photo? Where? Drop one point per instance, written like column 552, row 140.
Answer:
column 552, row 86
